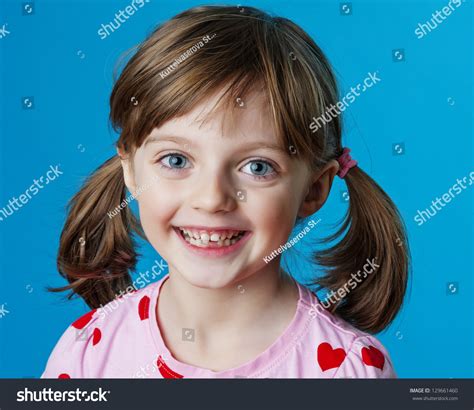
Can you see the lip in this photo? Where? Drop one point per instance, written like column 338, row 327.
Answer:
column 213, row 251
column 209, row 228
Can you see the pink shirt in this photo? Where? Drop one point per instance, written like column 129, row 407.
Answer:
column 122, row 340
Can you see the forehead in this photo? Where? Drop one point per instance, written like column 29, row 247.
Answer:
column 245, row 118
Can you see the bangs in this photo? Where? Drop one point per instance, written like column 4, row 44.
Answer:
column 235, row 52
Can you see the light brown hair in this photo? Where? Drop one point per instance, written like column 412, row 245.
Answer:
column 248, row 47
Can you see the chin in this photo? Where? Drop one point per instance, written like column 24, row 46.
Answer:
column 209, row 279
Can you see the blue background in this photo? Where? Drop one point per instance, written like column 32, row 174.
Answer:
column 424, row 102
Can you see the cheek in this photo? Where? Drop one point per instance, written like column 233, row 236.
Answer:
column 156, row 206
column 274, row 212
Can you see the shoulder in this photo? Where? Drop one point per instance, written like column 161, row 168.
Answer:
column 80, row 351
column 344, row 351
column 366, row 358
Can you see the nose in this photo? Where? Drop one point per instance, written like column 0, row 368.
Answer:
column 213, row 193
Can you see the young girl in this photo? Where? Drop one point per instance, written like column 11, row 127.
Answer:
column 214, row 113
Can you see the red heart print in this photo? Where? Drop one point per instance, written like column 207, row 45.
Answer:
column 329, row 358
column 83, row 320
column 64, row 376
column 373, row 357
column 96, row 336
column 144, row 308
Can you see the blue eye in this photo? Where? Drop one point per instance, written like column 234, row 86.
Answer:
column 174, row 161
column 259, row 169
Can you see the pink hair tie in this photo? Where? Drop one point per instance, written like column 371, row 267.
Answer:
column 345, row 163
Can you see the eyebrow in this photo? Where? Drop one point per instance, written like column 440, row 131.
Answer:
column 273, row 147
column 172, row 138
column 181, row 140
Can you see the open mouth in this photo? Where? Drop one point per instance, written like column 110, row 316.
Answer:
column 211, row 239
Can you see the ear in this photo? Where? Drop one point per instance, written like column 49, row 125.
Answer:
column 318, row 190
column 127, row 171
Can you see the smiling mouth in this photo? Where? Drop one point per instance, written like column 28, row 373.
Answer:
column 211, row 239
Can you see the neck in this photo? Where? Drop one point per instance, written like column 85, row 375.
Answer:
column 229, row 309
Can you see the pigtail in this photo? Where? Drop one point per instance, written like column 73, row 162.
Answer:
column 96, row 249
column 373, row 231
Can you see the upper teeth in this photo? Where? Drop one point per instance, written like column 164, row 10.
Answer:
column 206, row 236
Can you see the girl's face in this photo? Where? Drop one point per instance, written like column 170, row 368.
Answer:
column 228, row 186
